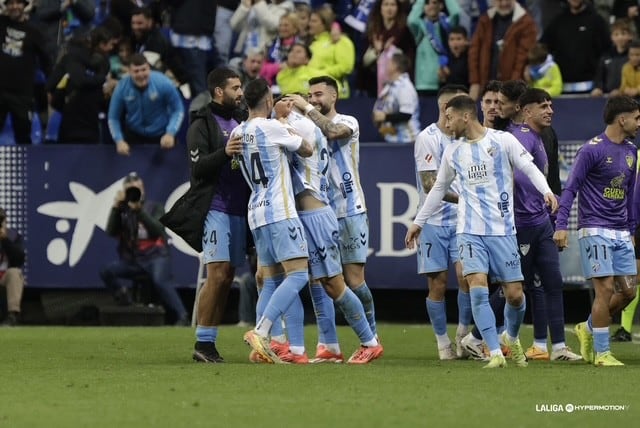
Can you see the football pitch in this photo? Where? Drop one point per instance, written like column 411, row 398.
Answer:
column 144, row 377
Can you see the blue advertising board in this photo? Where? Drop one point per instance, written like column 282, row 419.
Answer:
column 59, row 198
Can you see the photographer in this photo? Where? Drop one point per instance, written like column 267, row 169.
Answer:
column 11, row 262
column 142, row 247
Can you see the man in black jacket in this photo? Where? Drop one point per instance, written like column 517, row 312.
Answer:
column 11, row 262
column 211, row 216
column 142, row 247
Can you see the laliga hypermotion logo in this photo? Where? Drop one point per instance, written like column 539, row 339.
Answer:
column 90, row 210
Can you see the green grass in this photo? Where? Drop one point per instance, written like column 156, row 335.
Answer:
column 144, row 377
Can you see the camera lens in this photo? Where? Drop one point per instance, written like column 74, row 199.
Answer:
column 132, row 194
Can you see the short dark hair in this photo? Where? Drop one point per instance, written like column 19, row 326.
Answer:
column 255, row 91
column 327, row 80
column 491, row 86
column 142, row 10
column 402, row 62
column 463, row 103
column 537, row 54
column 618, row 105
column 305, row 46
column 450, row 89
column 459, row 29
column 512, row 89
column 533, row 96
column 634, row 44
column 99, row 35
column 218, row 77
column 138, row 59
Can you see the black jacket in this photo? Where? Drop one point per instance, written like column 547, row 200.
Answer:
column 206, row 144
column 194, row 17
column 123, row 225
column 13, row 248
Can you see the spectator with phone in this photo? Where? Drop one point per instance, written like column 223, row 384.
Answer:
column 142, row 247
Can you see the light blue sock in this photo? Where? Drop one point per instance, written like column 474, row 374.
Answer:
column 465, row 316
column 294, row 321
column 284, row 294
column 353, row 312
column 438, row 316
column 590, row 324
column 513, row 317
column 325, row 314
column 601, row 339
column 364, row 294
column 206, row 334
column 268, row 288
column 484, row 317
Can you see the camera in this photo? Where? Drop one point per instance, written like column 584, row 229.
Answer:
column 132, row 194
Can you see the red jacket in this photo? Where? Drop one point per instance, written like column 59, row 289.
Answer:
column 519, row 39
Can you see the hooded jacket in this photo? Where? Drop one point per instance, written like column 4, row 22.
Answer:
column 206, row 145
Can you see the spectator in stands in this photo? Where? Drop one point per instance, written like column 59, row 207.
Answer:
column 294, row 77
column 628, row 9
column 386, row 29
column 223, row 33
column 430, row 27
column 334, row 58
column 257, row 22
column 150, row 105
column 78, row 84
column 577, row 38
column 631, row 72
column 303, row 11
column 277, row 53
column 142, row 248
column 121, row 11
column 147, row 39
column 396, row 112
column 609, row 72
column 119, row 61
column 500, row 44
column 11, row 261
column 22, row 48
column 489, row 103
column 542, row 71
column 457, row 70
column 59, row 20
column 192, row 25
column 248, row 67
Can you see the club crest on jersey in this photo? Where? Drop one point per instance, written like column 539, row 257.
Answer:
column 524, row 249
column 629, row 160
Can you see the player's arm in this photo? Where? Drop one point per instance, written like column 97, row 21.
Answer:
column 446, row 175
column 428, row 179
column 330, row 129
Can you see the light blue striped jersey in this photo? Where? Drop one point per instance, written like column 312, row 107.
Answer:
column 310, row 173
column 265, row 167
column 484, row 168
column 427, row 151
column 346, row 195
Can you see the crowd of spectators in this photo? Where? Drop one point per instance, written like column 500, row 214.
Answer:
column 66, row 59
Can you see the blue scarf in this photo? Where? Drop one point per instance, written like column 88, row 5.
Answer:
column 434, row 37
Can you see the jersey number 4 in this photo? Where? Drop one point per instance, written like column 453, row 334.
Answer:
column 257, row 170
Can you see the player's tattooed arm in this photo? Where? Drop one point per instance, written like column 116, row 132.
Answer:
column 428, row 178
column 330, row 129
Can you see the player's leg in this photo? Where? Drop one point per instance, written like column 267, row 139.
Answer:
column 322, row 232
column 475, row 263
column 354, row 245
column 433, row 260
column 623, row 334
column 504, row 261
column 220, row 255
column 290, row 250
column 528, row 243
column 465, row 315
